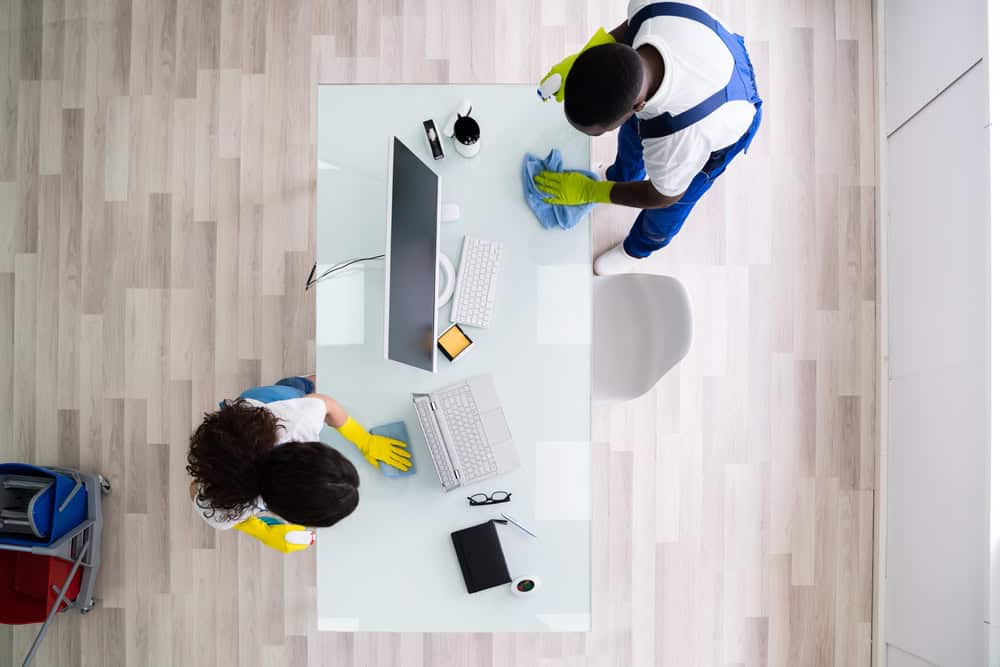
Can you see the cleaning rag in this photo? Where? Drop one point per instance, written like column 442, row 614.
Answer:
column 396, row 431
column 550, row 215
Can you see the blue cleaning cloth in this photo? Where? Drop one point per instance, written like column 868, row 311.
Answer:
column 396, row 431
column 550, row 215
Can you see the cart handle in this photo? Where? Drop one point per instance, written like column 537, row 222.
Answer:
column 55, row 607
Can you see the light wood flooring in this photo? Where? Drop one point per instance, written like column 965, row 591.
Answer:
column 157, row 222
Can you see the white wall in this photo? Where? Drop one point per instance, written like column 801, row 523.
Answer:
column 929, row 43
column 993, row 84
column 937, row 190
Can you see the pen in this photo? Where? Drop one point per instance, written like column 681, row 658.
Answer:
column 517, row 524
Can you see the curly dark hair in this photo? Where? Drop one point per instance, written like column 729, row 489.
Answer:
column 233, row 460
column 224, row 454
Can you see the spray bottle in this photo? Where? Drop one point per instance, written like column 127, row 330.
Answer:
column 275, row 533
column 549, row 86
column 552, row 84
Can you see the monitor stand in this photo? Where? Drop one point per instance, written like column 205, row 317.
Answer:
column 448, row 269
column 450, row 213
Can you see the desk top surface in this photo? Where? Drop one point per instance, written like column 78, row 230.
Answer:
column 390, row 566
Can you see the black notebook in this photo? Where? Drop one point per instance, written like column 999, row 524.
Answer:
column 480, row 557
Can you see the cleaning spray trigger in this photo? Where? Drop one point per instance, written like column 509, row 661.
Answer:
column 549, row 87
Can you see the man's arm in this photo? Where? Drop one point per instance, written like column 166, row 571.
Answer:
column 640, row 194
column 570, row 188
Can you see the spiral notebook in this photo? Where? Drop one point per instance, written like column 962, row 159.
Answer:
column 481, row 557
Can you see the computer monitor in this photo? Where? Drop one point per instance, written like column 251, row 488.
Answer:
column 411, row 259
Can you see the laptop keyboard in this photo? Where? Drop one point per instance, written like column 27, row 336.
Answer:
column 428, row 426
column 462, row 419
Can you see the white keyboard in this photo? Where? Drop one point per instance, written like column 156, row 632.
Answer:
column 427, row 424
column 476, row 286
column 457, row 408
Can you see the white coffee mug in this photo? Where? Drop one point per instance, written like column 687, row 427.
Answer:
column 463, row 130
column 524, row 585
column 466, row 136
column 467, row 150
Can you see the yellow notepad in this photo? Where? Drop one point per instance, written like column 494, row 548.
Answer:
column 453, row 342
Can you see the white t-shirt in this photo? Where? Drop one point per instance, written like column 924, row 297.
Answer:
column 302, row 420
column 697, row 65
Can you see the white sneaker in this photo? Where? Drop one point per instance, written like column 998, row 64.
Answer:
column 616, row 261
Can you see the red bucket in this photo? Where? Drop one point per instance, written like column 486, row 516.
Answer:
column 26, row 586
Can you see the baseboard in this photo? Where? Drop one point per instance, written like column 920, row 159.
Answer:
column 879, row 658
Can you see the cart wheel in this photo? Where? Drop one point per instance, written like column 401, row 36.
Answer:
column 86, row 609
column 105, row 484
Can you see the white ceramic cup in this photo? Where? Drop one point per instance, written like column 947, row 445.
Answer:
column 526, row 585
column 467, row 150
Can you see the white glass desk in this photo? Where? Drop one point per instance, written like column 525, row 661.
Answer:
column 391, row 566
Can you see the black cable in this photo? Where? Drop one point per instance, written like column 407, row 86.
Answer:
column 339, row 267
column 346, row 264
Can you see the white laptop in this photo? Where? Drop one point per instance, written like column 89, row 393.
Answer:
column 466, row 432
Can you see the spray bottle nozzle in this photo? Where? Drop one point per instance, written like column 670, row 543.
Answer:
column 550, row 86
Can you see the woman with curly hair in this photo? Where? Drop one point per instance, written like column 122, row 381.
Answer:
column 261, row 453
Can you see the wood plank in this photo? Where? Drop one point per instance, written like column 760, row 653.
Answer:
column 8, row 360
column 26, row 221
column 24, row 378
column 70, row 261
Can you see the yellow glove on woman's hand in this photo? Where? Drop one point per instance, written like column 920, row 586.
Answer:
column 273, row 535
column 557, row 87
column 570, row 188
column 376, row 448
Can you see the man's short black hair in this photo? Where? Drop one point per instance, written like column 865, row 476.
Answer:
column 603, row 84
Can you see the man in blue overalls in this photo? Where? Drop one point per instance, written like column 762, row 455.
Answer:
column 681, row 89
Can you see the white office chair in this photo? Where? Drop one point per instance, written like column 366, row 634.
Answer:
column 642, row 329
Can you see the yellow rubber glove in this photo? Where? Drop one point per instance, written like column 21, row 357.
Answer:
column 376, row 448
column 273, row 535
column 570, row 188
column 550, row 86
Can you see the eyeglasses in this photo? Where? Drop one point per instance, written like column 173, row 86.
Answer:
column 492, row 499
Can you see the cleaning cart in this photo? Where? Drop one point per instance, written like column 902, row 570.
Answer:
column 50, row 543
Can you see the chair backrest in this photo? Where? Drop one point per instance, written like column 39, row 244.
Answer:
column 642, row 329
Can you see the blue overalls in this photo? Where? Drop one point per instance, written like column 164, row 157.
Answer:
column 654, row 228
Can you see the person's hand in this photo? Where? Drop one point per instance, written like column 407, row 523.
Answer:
column 376, row 448
column 570, row 188
column 553, row 84
column 273, row 534
column 557, row 87
column 380, row 448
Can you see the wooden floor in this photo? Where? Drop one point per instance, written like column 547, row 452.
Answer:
column 158, row 222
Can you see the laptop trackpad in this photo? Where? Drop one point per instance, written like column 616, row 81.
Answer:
column 496, row 427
